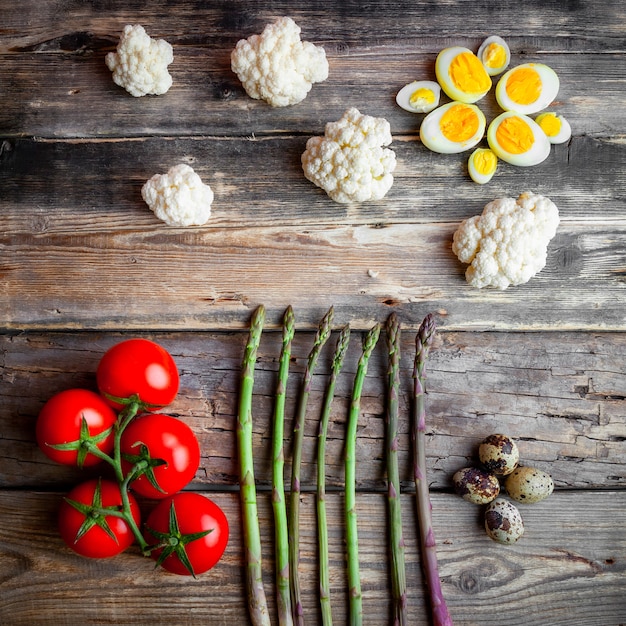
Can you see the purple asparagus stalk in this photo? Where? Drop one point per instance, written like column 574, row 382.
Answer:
column 423, row 342
column 396, row 538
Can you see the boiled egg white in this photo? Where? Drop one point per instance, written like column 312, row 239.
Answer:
column 527, row 88
column 517, row 139
column 555, row 126
column 482, row 165
column 420, row 96
column 461, row 75
column 453, row 127
column 494, row 54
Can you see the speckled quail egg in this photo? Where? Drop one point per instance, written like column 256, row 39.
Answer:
column 482, row 165
column 527, row 88
column 462, row 75
column 518, row 140
column 503, row 522
column 476, row 485
column 555, row 126
column 420, row 96
column 453, row 128
column 529, row 484
column 494, row 54
column 498, row 454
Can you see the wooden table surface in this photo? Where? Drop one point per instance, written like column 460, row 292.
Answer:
column 84, row 263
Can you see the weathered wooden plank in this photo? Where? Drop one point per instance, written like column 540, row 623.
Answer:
column 213, row 278
column 93, row 187
column 562, row 395
column 561, row 571
column 550, row 25
column 65, row 95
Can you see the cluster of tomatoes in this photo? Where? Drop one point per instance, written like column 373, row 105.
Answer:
column 149, row 454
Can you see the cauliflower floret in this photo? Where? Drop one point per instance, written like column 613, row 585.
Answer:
column 349, row 162
column 179, row 198
column 140, row 63
column 508, row 243
column 276, row 66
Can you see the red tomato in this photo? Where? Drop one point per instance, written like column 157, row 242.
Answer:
column 60, row 422
column 138, row 367
column 155, row 437
column 194, row 515
column 99, row 535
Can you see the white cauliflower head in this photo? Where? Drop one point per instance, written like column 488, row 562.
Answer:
column 508, row 243
column 276, row 66
column 179, row 198
column 349, row 162
column 140, row 63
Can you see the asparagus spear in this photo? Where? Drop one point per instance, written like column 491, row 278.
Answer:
column 324, row 574
column 257, row 602
column 321, row 337
column 354, row 581
column 423, row 342
column 283, row 594
column 396, row 538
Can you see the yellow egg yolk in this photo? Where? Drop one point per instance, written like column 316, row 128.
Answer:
column 523, row 85
column 485, row 161
column 514, row 135
column 422, row 96
column 494, row 56
column 550, row 124
column 468, row 74
column 459, row 123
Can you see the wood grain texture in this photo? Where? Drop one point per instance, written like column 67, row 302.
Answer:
column 562, row 395
column 76, row 150
column 84, row 263
column 559, row 573
column 264, row 245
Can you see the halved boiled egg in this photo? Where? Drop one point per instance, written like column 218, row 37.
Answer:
column 482, row 165
column 453, row 127
column 517, row 139
column 495, row 55
column 555, row 126
column 461, row 74
column 420, row 96
column 527, row 88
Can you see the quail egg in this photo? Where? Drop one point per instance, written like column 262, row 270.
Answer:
column 555, row 126
column 503, row 521
column 529, row 485
column 482, row 165
column 453, row 127
column 498, row 454
column 462, row 75
column 527, row 88
column 476, row 485
column 494, row 54
column 420, row 96
column 518, row 140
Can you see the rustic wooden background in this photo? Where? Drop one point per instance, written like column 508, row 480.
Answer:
column 84, row 263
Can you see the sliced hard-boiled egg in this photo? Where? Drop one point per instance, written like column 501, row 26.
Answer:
column 517, row 139
column 555, row 126
column 494, row 54
column 420, row 96
column 453, row 127
column 527, row 88
column 461, row 74
column 482, row 165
